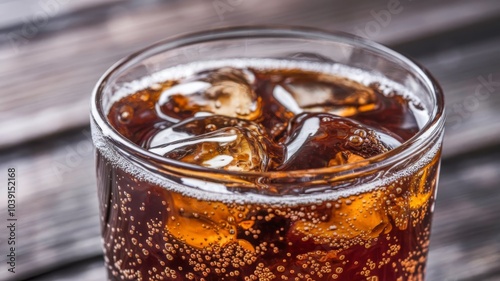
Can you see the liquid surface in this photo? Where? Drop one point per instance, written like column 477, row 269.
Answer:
column 254, row 119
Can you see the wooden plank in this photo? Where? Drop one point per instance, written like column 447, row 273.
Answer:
column 56, row 208
column 46, row 83
column 34, row 12
column 470, row 77
column 90, row 269
column 465, row 241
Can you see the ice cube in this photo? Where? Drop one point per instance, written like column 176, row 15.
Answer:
column 218, row 142
column 200, row 125
column 317, row 140
column 332, row 94
column 278, row 107
column 394, row 112
column 225, row 91
column 286, row 99
column 214, row 142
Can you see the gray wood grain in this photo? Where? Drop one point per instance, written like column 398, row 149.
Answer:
column 26, row 12
column 92, row 269
column 56, row 208
column 465, row 240
column 470, row 78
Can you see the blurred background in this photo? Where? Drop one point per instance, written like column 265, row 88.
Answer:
column 52, row 52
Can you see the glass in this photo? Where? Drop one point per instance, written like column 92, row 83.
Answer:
column 168, row 220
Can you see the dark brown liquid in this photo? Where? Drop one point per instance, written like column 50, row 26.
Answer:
column 153, row 233
column 249, row 105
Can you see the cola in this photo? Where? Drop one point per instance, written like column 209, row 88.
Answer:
column 260, row 188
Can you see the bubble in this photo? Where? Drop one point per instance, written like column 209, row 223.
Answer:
column 126, row 114
column 356, row 140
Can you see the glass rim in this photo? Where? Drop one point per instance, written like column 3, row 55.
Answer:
column 421, row 139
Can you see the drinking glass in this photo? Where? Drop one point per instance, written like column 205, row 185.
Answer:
column 163, row 219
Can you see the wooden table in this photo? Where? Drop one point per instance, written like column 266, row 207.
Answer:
column 53, row 52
